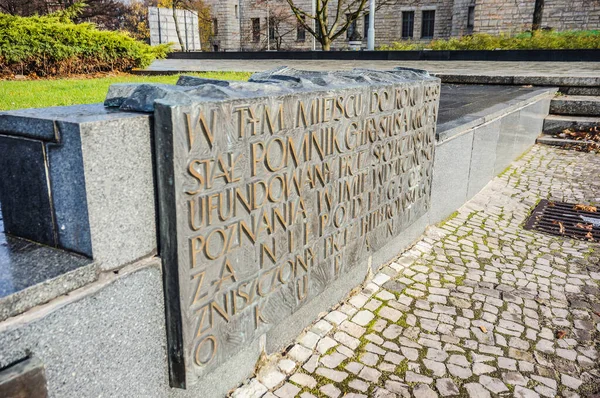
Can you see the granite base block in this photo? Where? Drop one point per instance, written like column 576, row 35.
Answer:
column 450, row 175
column 483, row 157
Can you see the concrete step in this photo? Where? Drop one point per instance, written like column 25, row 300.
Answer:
column 580, row 105
column 556, row 123
column 565, row 142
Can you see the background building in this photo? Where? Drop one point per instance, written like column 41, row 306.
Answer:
column 251, row 25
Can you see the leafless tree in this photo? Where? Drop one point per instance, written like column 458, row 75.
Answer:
column 538, row 12
column 332, row 18
column 281, row 23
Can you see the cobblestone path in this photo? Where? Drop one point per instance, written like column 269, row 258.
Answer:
column 477, row 308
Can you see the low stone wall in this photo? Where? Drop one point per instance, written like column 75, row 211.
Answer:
column 111, row 337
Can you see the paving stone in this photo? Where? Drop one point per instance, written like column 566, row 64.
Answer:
column 514, row 378
column 287, row 365
column 446, row 387
column 460, row 360
column 336, row 317
column 321, row 328
column 392, row 331
column 253, row 389
column 270, row 377
column 369, row 359
column 352, row 329
column 412, row 377
column 570, row 381
column 424, row 391
column 354, row 367
column 363, row 317
column 358, row 385
column 288, row 390
column 375, row 349
column 330, row 390
column 325, row 344
column 333, row 375
column 311, row 364
column 411, row 353
column 332, row 360
column 397, row 388
column 435, row 355
column 347, row 340
column 438, row 368
column 459, row 371
column 507, row 363
column 390, row 314
column 476, row 390
column 522, row 392
column 481, row 368
column 370, row 374
column 393, row 358
column 493, row 384
column 304, row 380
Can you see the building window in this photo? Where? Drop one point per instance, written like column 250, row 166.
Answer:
column 408, row 24
column 300, row 31
column 351, row 28
column 471, row 20
column 255, row 29
column 271, row 28
column 237, row 12
column 215, row 26
column 427, row 24
column 366, row 25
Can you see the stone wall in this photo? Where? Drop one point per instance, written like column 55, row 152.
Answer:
column 509, row 16
column 451, row 16
column 573, row 14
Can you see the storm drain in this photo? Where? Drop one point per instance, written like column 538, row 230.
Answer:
column 566, row 219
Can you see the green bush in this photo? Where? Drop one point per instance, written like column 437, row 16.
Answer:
column 53, row 45
column 549, row 40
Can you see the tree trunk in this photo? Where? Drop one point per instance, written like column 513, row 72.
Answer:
column 326, row 45
column 537, row 15
column 177, row 28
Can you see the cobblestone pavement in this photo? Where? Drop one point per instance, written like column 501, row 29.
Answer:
column 477, row 308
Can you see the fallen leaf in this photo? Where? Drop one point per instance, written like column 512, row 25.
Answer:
column 584, row 226
column 591, row 209
column 597, row 313
column 483, row 329
column 561, row 334
column 561, row 227
column 589, row 235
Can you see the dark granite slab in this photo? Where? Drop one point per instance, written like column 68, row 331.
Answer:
column 31, row 273
column 24, row 190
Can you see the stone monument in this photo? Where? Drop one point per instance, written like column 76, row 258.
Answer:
column 270, row 190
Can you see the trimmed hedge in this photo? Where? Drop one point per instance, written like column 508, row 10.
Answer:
column 53, row 45
column 541, row 40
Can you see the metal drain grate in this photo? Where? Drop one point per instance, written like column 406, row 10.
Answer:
column 566, row 219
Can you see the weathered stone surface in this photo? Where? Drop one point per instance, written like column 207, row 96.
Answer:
column 278, row 157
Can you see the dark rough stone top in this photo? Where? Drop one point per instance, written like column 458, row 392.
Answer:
column 279, row 81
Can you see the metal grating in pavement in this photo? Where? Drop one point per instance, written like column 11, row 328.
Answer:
column 571, row 220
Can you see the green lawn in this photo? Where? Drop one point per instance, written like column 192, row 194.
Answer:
column 42, row 93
